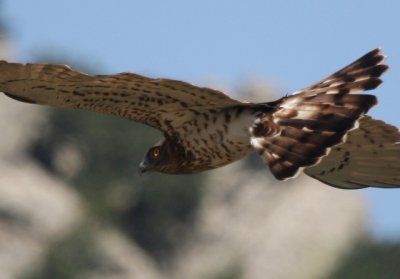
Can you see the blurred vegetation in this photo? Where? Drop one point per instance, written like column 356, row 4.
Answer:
column 370, row 260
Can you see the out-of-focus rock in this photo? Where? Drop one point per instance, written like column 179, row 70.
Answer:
column 35, row 209
column 19, row 125
column 259, row 228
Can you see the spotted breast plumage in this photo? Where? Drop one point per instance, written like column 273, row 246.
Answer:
column 321, row 129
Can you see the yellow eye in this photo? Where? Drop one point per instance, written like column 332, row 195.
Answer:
column 156, row 152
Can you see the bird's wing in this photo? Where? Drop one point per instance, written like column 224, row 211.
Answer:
column 362, row 74
column 160, row 103
column 305, row 125
column 370, row 156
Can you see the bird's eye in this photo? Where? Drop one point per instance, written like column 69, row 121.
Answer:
column 156, row 152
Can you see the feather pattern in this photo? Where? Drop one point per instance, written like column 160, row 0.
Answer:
column 309, row 122
column 369, row 157
column 160, row 103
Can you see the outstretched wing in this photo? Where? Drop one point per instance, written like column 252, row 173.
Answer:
column 370, row 156
column 160, row 103
column 303, row 127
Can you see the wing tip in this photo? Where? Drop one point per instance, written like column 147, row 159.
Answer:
column 371, row 84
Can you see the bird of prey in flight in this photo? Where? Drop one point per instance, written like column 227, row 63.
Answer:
column 322, row 129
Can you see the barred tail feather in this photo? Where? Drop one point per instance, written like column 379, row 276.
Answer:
column 306, row 125
column 362, row 74
column 306, row 136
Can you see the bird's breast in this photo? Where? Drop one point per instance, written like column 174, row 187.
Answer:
column 218, row 138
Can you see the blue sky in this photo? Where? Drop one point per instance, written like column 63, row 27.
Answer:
column 223, row 42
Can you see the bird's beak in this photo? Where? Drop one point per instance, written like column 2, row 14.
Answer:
column 143, row 167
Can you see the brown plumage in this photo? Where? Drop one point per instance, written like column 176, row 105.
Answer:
column 205, row 129
column 369, row 157
column 318, row 117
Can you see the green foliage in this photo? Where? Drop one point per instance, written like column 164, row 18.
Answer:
column 369, row 260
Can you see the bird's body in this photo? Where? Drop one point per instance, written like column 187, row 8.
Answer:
column 218, row 138
column 206, row 129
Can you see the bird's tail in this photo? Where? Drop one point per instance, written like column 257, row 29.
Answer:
column 369, row 157
column 304, row 126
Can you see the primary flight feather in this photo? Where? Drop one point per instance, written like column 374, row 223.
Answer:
column 321, row 129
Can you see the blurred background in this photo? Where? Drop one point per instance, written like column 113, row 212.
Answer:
column 72, row 204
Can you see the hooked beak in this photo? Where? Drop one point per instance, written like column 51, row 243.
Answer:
column 143, row 167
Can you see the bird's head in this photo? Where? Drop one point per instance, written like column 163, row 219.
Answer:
column 166, row 156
